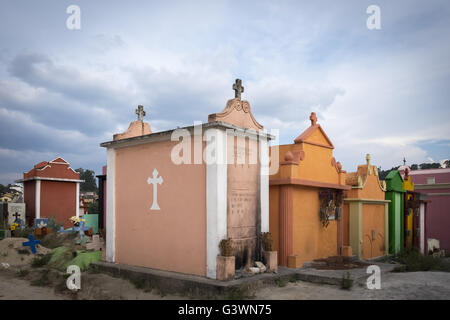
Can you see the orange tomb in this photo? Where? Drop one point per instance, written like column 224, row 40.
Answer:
column 305, row 199
column 366, row 214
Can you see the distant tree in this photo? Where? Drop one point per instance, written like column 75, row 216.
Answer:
column 447, row 163
column 414, row 167
column 383, row 173
column 89, row 183
column 93, row 208
column 5, row 189
column 430, row 166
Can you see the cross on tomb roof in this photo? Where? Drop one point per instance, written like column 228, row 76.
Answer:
column 313, row 118
column 238, row 89
column 368, row 159
column 140, row 112
column 404, row 161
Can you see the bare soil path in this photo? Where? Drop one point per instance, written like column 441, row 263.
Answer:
column 394, row 286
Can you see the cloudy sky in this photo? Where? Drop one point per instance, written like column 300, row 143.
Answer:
column 384, row 92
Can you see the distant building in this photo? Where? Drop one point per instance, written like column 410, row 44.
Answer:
column 435, row 185
column 89, row 197
column 7, row 197
column 51, row 190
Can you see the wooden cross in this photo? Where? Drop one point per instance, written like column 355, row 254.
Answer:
column 140, row 112
column 238, row 89
column 313, row 118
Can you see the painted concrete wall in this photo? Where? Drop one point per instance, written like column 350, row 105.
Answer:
column 274, row 205
column 29, row 188
column 58, row 200
column 437, row 218
column 373, row 231
column 174, row 237
column 311, row 239
column 315, row 166
column 346, row 223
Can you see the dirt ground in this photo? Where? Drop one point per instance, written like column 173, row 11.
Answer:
column 93, row 287
column 396, row 286
column 15, row 254
column 18, row 280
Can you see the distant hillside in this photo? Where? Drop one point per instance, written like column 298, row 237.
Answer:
column 444, row 164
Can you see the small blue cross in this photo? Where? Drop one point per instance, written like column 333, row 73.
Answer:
column 32, row 243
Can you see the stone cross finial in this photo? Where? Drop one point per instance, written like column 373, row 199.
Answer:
column 140, row 112
column 368, row 159
column 238, row 89
column 313, row 118
column 404, row 161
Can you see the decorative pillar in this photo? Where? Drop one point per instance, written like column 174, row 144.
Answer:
column 355, row 227
column 285, row 224
column 422, row 227
column 264, row 182
column 216, row 197
column 110, row 206
column 386, row 227
column 37, row 209
column 77, row 201
column 340, row 234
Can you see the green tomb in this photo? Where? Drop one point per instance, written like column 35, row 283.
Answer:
column 395, row 193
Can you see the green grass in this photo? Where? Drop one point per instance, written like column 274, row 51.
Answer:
column 22, row 273
column 43, row 280
column 346, row 282
column 281, row 282
column 293, row 278
column 62, row 257
column 238, row 293
column 41, row 261
column 412, row 261
column 139, row 282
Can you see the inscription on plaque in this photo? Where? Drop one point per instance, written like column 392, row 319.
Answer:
column 242, row 202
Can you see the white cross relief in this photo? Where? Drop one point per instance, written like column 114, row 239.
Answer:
column 155, row 181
